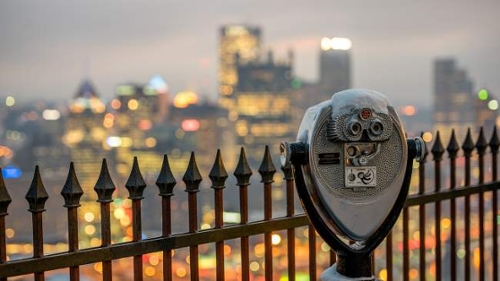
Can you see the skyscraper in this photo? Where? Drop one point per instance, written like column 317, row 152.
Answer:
column 453, row 99
column 263, row 105
column 85, row 134
column 239, row 44
column 137, row 107
column 334, row 65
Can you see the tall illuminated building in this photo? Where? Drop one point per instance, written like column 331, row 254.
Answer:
column 334, row 65
column 85, row 135
column 137, row 108
column 240, row 43
column 453, row 99
column 263, row 107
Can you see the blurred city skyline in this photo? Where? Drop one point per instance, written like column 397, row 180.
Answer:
column 48, row 47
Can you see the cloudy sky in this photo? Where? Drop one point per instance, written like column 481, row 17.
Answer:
column 47, row 47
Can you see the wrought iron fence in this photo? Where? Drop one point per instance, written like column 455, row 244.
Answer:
column 446, row 231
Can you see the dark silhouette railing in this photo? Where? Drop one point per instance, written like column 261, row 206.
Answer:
column 424, row 254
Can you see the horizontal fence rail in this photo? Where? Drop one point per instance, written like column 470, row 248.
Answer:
column 448, row 229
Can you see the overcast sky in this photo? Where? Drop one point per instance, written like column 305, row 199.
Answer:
column 47, row 47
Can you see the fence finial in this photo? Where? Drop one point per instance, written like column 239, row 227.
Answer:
column 166, row 180
column 37, row 195
column 104, row 186
column 468, row 145
column 192, row 177
column 481, row 143
column 4, row 196
column 267, row 169
column 72, row 191
column 286, row 166
column 453, row 146
column 437, row 149
column 135, row 183
column 218, row 174
column 494, row 141
column 243, row 172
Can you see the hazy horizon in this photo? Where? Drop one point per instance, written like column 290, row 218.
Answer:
column 48, row 47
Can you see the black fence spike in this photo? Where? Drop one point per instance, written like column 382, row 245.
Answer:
column 5, row 199
column 481, row 143
column 494, row 141
column 243, row 172
column 104, row 186
column 192, row 177
column 287, row 171
column 286, row 166
column 267, row 169
column 453, row 146
column 218, row 174
column 37, row 195
column 437, row 149
column 166, row 180
column 468, row 145
column 72, row 191
column 135, row 183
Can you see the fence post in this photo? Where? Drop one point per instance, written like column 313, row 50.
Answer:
column 467, row 147
column 266, row 171
column 494, row 145
column 290, row 210
column 5, row 200
column 192, row 179
column 242, row 174
column 437, row 152
column 135, row 186
column 453, row 149
column 36, row 197
column 166, row 183
column 218, row 176
column 421, row 215
column 72, row 192
column 104, row 189
column 481, row 146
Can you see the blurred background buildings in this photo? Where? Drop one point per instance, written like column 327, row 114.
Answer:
column 261, row 101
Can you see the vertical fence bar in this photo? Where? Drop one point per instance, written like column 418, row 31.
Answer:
column 290, row 211
column 406, row 244
column 5, row 200
column 267, row 171
column 481, row 146
column 104, row 189
column 36, row 197
column 165, row 183
column 437, row 152
column 453, row 149
column 421, row 216
column 467, row 147
column 72, row 192
column 242, row 174
column 135, row 186
column 192, row 179
column 388, row 256
column 312, row 253
column 494, row 145
column 218, row 176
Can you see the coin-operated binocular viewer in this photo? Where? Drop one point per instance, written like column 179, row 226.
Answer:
column 352, row 166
